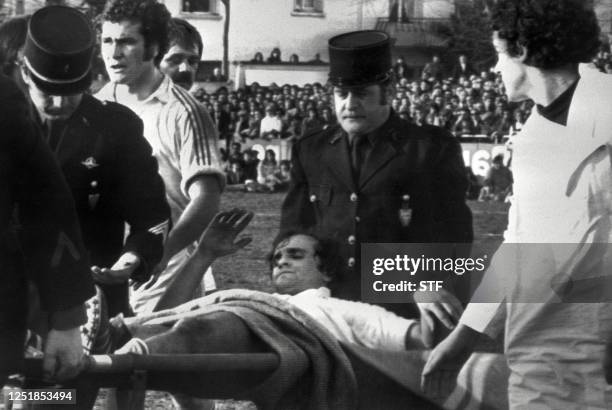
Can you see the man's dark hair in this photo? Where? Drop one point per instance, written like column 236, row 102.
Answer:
column 154, row 21
column 185, row 35
column 326, row 249
column 554, row 32
column 13, row 34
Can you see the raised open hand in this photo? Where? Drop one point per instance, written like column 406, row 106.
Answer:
column 219, row 237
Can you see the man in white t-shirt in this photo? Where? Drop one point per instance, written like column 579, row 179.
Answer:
column 180, row 131
column 549, row 283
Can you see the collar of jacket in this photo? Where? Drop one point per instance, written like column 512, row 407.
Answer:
column 85, row 107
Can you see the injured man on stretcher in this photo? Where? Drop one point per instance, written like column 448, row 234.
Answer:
column 302, row 270
column 302, row 323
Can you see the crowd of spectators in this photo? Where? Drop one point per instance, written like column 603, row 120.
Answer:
column 603, row 60
column 275, row 57
column 468, row 103
column 244, row 168
column 465, row 105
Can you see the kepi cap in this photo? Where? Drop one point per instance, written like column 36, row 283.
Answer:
column 359, row 58
column 58, row 50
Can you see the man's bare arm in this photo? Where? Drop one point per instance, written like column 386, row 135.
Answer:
column 219, row 239
column 205, row 194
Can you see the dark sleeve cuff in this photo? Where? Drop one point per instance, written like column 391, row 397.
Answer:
column 69, row 318
column 149, row 248
column 142, row 273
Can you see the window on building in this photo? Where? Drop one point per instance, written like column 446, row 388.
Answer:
column 308, row 6
column 199, row 6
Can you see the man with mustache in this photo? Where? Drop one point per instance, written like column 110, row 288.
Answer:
column 180, row 62
column 350, row 181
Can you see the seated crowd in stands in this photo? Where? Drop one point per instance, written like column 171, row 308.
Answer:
column 244, row 167
column 474, row 105
column 603, row 60
column 497, row 185
column 276, row 58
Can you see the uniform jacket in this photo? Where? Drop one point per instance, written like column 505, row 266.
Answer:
column 422, row 162
column 32, row 188
column 114, row 180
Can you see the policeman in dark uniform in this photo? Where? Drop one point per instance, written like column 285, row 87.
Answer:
column 105, row 159
column 375, row 177
column 33, row 191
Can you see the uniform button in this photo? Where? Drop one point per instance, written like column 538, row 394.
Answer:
column 357, row 219
column 352, row 240
column 313, row 198
column 353, row 197
column 94, row 184
column 351, row 262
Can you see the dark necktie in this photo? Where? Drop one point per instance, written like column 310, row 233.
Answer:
column 357, row 154
column 54, row 131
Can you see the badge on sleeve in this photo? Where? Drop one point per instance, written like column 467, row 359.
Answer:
column 90, row 163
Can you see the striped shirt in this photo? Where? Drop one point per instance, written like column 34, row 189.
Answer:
column 182, row 135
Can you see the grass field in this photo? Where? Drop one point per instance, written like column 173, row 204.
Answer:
column 247, row 268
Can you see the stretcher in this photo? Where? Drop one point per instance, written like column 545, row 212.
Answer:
column 226, row 376
column 233, row 376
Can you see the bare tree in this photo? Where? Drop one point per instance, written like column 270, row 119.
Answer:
column 226, row 23
column 470, row 32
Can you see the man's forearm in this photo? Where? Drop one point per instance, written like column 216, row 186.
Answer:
column 205, row 196
column 181, row 288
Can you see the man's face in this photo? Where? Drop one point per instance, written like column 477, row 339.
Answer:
column 295, row 267
column 360, row 110
column 51, row 107
column 512, row 70
column 181, row 64
column 124, row 52
column 461, row 94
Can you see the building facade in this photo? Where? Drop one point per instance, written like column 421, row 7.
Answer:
column 300, row 27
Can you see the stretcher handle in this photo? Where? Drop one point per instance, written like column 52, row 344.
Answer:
column 209, row 362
